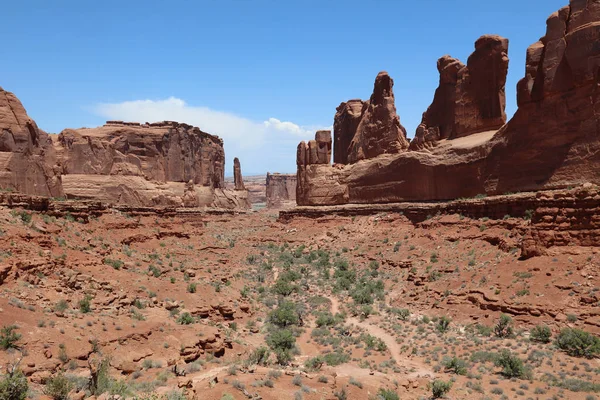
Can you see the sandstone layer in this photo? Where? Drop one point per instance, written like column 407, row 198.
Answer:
column 281, row 190
column 551, row 142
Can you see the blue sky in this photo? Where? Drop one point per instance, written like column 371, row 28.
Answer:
column 261, row 74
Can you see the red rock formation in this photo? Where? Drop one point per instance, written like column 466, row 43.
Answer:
column 553, row 140
column 345, row 124
column 469, row 99
column 237, row 175
column 280, row 190
column 379, row 130
column 27, row 160
column 163, row 151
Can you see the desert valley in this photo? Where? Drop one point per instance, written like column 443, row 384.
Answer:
column 462, row 263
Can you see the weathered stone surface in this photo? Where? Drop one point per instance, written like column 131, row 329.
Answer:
column 379, row 131
column 345, row 124
column 27, row 159
column 551, row 142
column 237, row 175
column 281, row 190
column 470, row 98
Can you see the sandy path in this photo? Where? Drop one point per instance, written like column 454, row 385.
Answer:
column 417, row 369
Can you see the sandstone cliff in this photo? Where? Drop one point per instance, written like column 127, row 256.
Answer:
column 470, row 98
column 281, row 190
column 553, row 141
column 27, row 158
column 159, row 164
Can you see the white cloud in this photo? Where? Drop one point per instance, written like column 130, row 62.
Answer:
column 260, row 146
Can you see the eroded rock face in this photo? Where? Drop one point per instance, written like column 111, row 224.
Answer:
column 553, row 141
column 27, row 159
column 345, row 125
column 164, row 151
column 379, row 130
column 280, row 190
column 237, row 175
column 470, row 98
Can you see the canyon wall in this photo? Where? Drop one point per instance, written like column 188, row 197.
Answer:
column 553, row 140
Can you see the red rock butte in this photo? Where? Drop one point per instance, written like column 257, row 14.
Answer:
column 464, row 147
column 153, row 164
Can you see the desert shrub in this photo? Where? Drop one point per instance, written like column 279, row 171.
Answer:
column 260, row 356
column 8, row 337
column 578, row 343
column 540, row 333
column 58, row 387
column 456, row 365
column 325, row 319
column 191, row 288
column 282, row 342
column 335, row 358
column 387, row 394
column 284, row 315
column 185, row 319
column 116, row 264
column 314, row 364
column 85, row 304
column 440, row 388
column 512, row 366
column 504, row 326
column 443, row 324
column 283, row 287
column 13, row 385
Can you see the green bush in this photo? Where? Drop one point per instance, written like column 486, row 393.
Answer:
column 314, row 364
column 285, row 315
column 455, row 365
column 116, row 264
column 336, row 358
column 540, row 333
column 387, row 394
column 512, row 366
column 58, row 387
column 85, row 304
column 283, row 287
column 192, row 288
column 185, row 319
column 13, row 385
column 8, row 337
column 578, row 343
column 440, row 388
column 504, row 326
column 281, row 339
column 443, row 324
column 259, row 356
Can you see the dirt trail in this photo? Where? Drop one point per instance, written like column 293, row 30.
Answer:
column 416, row 369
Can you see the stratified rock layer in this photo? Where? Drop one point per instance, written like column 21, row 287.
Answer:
column 280, row 190
column 553, row 140
column 470, row 98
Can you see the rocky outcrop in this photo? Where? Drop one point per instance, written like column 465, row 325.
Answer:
column 281, row 190
column 27, row 159
column 346, row 121
column 553, row 141
column 470, row 98
column 237, row 175
column 159, row 164
column 378, row 131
